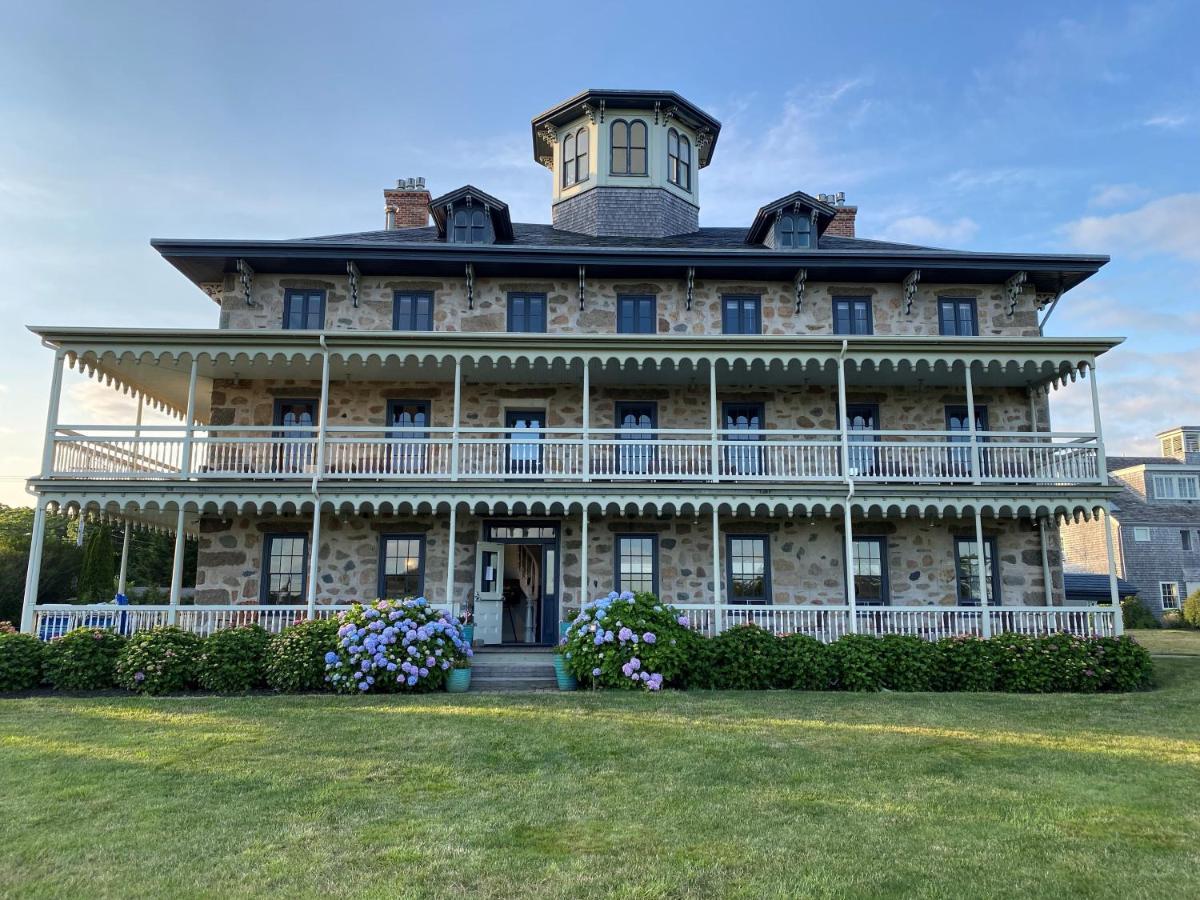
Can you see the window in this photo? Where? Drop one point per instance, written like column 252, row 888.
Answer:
column 401, row 566
column 575, row 158
column 743, row 423
column 303, row 309
column 412, row 311
column 637, row 563
column 1192, row 444
column 1168, row 592
column 966, row 563
column 957, row 317
column 1141, row 535
column 679, row 160
column 568, row 160
column 637, row 315
column 958, row 459
column 285, row 561
column 852, row 316
column 1175, row 487
column 628, row 148
column 794, row 231
column 408, row 440
column 862, row 421
column 636, row 421
column 524, row 430
column 470, row 227
column 296, row 420
column 741, row 315
column 1185, row 540
column 748, row 569
column 871, row 571
column 527, row 312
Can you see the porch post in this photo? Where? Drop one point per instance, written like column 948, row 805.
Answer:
column 713, row 419
column 1101, row 461
column 976, row 471
column 1113, row 593
column 981, row 570
column 314, row 552
column 716, row 570
column 584, row 590
column 1033, row 416
column 176, row 570
column 451, row 546
column 122, row 577
column 185, row 465
column 454, row 423
column 52, row 413
column 587, row 424
column 33, row 570
column 845, row 433
column 1049, row 587
column 851, row 593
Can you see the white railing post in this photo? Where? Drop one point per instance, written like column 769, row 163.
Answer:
column 176, row 570
column 716, row 567
column 52, row 413
column 122, row 577
column 851, row 592
column 1046, row 575
column 1114, row 594
column 587, row 421
column 185, row 465
column 454, row 437
column 714, row 419
column 584, row 590
column 983, row 573
column 1101, row 461
column 976, row 470
column 451, row 546
column 33, row 571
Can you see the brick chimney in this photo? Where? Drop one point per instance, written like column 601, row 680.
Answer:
column 843, row 222
column 407, row 204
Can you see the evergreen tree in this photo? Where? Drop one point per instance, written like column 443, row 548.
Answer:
column 97, row 580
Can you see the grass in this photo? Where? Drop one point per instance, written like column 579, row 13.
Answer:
column 623, row 795
column 1185, row 641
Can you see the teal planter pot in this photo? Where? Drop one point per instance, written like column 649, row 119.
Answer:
column 563, row 628
column 469, row 634
column 566, row 681
column 458, row 681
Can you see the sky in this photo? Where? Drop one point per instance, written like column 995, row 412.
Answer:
column 1040, row 127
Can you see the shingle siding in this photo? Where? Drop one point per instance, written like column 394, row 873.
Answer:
column 626, row 212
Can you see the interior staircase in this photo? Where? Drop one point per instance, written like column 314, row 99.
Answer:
column 513, row 669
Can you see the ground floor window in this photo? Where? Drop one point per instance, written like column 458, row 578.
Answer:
column 401, row 566
column 871, row 571
column 1169, row 592
column 748, row 568
column 285, row 558
column 637, row 563
column 966, row 562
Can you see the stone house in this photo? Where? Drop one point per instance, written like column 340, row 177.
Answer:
column 778, row 421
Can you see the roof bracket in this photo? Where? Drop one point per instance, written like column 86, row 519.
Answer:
column 470, row 273
column 582, row 287
column 910, row 289
column 801, row 279
column 352, row 273
column 247, row 277
column 1051, row 303
column 691, row 283
column 1012, row 288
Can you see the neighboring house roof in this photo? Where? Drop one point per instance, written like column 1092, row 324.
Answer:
column 1116, row 463
column 1129, row 508
column 1085, row 586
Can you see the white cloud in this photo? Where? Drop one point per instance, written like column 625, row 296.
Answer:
column 1108, row 195
column 1167, row 225
column 1167, row 120
column 925, row 230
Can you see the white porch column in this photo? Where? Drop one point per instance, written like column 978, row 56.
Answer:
column 587, row 424
column 33, row 571
column 451, row 546
column 1033, row 416
column 1049, row 586
column 314, row 553
column 584, row 589
column 714, row 418
column 122, row 577
column 1101, row 460
column 176, row 570
column 185, row 465
column 52, row 413
column 845, row 428
column 983, row 572
column 1113, row 593
column 454, row 423
column 976, row 471
column 716, row 570
column 851, row 591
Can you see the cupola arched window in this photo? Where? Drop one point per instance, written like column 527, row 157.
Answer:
column 679, row 159
column 469, row 227
column 575, row 157
column 795, row 230
column 568, row 160
column 628, row 148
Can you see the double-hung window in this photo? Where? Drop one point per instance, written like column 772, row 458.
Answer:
column 871, row 571
column 748, row 568
column 966, row 558
column 741, row 315
column 412, row 311
column 628, row 148
column 527, row 312
column 1175, row 487
column 957, row 317
column 852, row 315
column 303, row 309
column 1168, row 592
column 637, row 314
column 401, row 566
column 470, row 227
column 794, row 231
column 637, row 563
column 679, row 160
column 1141, row 534
column 284, row 569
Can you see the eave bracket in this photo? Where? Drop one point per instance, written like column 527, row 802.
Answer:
column 582, row 287
column 1012, row 289
column 352, row 272
column 247, row 278
column 911, row 280
column 691, row 283
column 800, row 281
column 470, row 273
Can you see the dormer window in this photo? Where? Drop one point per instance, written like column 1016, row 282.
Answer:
column 679, row 160
column 575, row 157
column 795, row 230
column 470, row 227
column 628, row 148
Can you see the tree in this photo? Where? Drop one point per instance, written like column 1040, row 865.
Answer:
column 60, row 559
column 97, row 578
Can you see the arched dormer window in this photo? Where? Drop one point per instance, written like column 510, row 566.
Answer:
column 628, row 148
column 679, row 159
column 470, row 227
column 575, row 157
column 795, row 230
column 568, row 160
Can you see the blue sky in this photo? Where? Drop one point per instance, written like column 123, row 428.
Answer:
column 1024, row 126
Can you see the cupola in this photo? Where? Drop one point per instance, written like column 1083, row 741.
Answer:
column 626, row 163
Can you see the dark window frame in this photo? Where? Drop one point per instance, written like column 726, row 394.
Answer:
column 305, row 295
column 638, row 301
column 520, row 465
column 525, row 297
column 971, row 600
column 679, row 168
column 885, row 587
column 958, row 303
column 634, row 459
column 851, row 304
column 264, row 587
column 767, row 599
column 381, row 575
column 617, row 556
column 412, row 297
column 628, row 146
column 742, row 300
column 789, row 227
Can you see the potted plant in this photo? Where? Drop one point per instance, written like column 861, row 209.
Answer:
column 458, row 679
column 468, row 625
column 566, row 681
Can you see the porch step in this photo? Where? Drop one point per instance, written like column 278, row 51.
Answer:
column 502, row 684
column 513, row 669
column 519, row 670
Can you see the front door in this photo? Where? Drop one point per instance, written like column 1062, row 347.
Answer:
column 525, row 440
column 489, row 592
column 635, row 426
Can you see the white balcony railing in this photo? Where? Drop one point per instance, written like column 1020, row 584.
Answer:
column 567, row 454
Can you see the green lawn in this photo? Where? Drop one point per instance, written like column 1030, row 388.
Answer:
column 1169, row 640
column 626, row 795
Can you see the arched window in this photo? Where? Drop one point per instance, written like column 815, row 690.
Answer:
column 795, row 230
column 460, row 227
column 568, row 160
column 470, row 227
column 581, row 155
column 628, row 148
column 679, row 159
column 477, row 229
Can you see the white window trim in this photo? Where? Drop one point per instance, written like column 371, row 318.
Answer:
column 1138, row 531
column 1162, row 597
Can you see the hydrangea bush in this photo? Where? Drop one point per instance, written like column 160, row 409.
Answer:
column 83, row 660
column 395, row 645
column 295, row 661
column 159, row 661
column 627, row 640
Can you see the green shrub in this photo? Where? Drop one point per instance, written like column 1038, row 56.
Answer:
column 965, row 664
column 1135, row 614
column 233, row 660
column 909, row 663
column 858, row 663
column 805, row 664
column 1191, row 609
column 6, row 627
column 628, row 641
column 83, row 660
column 1124, row 664
column 20, row 662
column 745, row 658
column 160, row 661
column 296, row 656
column 1173, row 618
